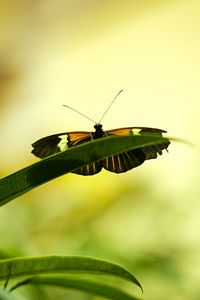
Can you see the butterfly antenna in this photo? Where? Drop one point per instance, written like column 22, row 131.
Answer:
column 110, row 106
column 80, row 113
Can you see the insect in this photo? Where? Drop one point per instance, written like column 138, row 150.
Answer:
column 118, row 163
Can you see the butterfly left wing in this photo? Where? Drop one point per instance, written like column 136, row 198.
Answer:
column 58, row 142
column 76, row 138
column 49, row 145
column 130, row 159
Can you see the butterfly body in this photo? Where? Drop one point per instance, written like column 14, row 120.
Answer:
column 118, row 163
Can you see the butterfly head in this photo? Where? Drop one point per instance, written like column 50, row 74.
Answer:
column 98, row 131
column 98, row 127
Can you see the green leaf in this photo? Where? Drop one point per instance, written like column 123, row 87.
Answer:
column 56, row 165
column 4, row 295
column 84, row 285
column 16, row 267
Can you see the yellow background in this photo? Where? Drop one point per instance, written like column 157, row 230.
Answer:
column 81, row 53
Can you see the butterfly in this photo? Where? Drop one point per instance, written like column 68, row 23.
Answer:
column 118, row 163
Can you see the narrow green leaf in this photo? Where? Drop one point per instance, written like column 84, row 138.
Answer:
column 4, row 295
column 56, row 165
column 84, row 285
column 16, row 267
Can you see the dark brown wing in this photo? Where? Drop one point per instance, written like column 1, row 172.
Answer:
column 125, row 161
column 152, row 151
column 76, row 138
column 48, row 145
column 134, row 131
column 130, row 159
column 90, row 169
column 59, row 142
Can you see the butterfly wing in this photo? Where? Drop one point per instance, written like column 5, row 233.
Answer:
column 125, row 161
column 130, row 159
column 135, row 131
column 49, row 145
column 152, row 151
column 76, row 138
column 89, row 169
column 60, row 142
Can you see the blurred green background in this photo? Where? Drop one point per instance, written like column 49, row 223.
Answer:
column 81, row 53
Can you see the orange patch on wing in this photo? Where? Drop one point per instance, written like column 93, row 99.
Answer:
column 120, row 131
column 78, row 136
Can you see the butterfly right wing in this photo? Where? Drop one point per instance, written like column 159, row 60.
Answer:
column 123, row 162
column 128, row 160
column 150, row 151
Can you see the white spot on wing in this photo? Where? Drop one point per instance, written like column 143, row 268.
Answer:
column 63, row 143
column 136, row 131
